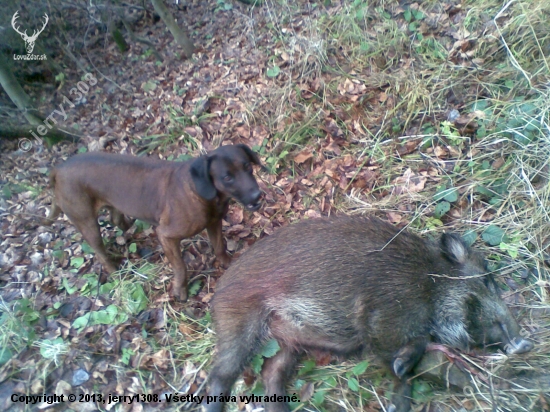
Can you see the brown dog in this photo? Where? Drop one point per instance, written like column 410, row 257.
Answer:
column 179, row 198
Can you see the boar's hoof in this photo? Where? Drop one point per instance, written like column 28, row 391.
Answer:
column 522, row 346
column 400, row 402
column 399, row 408
column 400, row 367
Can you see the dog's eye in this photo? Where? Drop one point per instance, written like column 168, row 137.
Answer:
column 228, row 179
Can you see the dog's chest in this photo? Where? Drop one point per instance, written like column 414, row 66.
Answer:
column 216, row 210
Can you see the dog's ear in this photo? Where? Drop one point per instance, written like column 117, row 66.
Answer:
column 200, row 173
column 252, row 155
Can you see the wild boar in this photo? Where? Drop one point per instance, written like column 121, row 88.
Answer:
column 352, row 283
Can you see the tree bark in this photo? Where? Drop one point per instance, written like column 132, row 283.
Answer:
column 179, row 34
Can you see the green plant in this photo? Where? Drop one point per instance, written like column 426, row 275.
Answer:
column 444, row 197
column 53, row 349
column 413, row 16
column 16, row 327
column 222, row 5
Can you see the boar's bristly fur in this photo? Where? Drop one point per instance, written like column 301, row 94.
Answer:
column 352, row 283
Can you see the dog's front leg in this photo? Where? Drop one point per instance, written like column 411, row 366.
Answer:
column 172, row 251
column 218, row 242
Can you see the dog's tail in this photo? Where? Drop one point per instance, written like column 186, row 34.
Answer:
column 55, row 210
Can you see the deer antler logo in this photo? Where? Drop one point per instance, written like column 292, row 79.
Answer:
column 29, row 40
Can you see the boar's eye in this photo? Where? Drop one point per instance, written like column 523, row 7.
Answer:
column 247, row 167
column 228, row 178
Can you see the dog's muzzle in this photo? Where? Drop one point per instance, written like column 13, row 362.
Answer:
column 255, row 202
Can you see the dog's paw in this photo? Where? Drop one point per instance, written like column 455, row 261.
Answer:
column 179, row 295
column 45, row 221
column 103, row 278
column 224, row 260
column 183, row 296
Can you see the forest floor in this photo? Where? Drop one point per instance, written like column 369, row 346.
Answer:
column 432, row 115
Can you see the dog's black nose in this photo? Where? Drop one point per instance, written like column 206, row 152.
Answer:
column 256, row 196
column 255, row 200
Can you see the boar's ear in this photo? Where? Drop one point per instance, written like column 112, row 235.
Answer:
column 200, row 174
column 454, row 248
column 252, row 155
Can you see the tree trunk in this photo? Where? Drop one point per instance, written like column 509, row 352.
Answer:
column 24, row 104
column 18, row 95
column 17, row 132
column 177, row 32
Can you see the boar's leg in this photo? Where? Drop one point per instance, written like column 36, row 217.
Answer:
column 403, row 362
column 237, row 342
column 225, row 371
column 401, row 399
column 406, row 358
column 275, row 374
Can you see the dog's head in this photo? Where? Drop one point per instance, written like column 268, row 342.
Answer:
column 228, row 170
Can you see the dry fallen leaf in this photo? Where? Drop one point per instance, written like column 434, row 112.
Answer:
column 186, row 329
column 394, row 217
column 306, row 392
column 440, row 151
column 409, row 183
column 235, row 215
column 303, row 156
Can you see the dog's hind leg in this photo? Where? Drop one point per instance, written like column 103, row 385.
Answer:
column 87, row 224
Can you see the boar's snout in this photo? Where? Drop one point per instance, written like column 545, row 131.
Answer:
column 519, row 345
column 490, row 321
